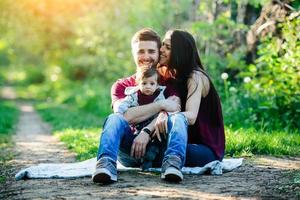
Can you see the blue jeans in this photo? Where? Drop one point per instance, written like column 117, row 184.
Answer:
column 116, row 139
column 198, row 155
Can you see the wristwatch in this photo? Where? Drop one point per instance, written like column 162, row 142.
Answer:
column 147, row 130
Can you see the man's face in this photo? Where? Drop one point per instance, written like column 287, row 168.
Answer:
column 145, row 53
column 148, row 85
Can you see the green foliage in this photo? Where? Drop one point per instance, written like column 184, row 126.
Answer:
column 255, row 3
column 83, row 38
column 91, row 96
column 4, row 61
column 218, row 45
column 295, row 4
column 275, row 83
column 12, row 76
column 103, row 50
column 33, row 75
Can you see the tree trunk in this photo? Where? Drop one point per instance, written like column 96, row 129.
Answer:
column 241, row 13
column 216, row 9
column 193, row 11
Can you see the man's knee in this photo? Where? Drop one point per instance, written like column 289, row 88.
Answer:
column 115, row 118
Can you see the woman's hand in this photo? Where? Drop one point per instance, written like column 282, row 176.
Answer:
column 171, row 104
column 139, row 145
column 161, row 125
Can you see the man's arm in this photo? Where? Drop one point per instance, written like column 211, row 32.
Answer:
column 141, row 113
column 138, row 114
column 122, row 105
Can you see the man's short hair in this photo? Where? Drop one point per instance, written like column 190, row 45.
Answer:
column 146, row 34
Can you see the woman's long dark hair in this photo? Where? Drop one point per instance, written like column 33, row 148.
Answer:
column 184, row 60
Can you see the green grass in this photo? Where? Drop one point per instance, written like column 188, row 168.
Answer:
column 8, row 117
column 247, row 142
column 79, row 130
column 84, row 142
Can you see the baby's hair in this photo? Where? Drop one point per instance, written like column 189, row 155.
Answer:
column 146, row 72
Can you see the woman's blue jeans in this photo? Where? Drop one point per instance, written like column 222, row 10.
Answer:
column 116, row 139
column 198, row 155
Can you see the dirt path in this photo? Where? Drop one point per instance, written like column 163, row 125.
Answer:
column 260, row 178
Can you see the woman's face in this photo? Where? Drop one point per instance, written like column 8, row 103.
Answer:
column 165, row 50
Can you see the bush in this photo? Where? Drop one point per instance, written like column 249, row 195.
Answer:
column 92, row 96
column 274, row 80
column 35, row 74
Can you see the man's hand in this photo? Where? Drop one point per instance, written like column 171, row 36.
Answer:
column 161, row 125
column 171, row 104
column 139, row 145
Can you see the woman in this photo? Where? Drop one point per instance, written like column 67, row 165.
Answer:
column 200, row 102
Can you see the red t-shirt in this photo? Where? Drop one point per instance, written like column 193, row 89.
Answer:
column 118, row 88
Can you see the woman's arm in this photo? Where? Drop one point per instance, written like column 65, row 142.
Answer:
column 198, row 86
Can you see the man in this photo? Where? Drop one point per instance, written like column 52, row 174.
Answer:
column 117, row 138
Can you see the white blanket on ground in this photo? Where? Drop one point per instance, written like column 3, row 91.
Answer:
column 87, row 167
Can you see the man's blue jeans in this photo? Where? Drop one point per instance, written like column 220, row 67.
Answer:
column 117, row 135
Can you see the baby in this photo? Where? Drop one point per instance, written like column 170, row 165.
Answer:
column 147, row 91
